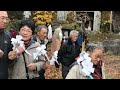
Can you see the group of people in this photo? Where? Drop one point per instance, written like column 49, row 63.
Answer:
column 69, row 53
column 18, row 64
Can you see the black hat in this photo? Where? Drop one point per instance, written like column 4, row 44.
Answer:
column 28, row 23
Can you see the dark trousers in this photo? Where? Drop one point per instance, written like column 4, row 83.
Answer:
column 3, row 76
column 64, row 71
column 41, row 74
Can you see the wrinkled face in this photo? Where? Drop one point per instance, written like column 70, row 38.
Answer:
column 96, row 56
column 26, row 33
column 3, row 19
column 42, row 34
column 74, row 37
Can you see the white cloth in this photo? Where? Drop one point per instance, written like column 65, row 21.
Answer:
column 54, row 58
column 27, row 14
column 40, row 51
column 49, row 32
column 86, row 63
column 16, row 42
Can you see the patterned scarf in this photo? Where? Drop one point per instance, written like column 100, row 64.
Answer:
column 98, row 71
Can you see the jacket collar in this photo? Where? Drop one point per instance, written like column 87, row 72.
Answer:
column 71, row 43
column 1, row 31
column 33, row 45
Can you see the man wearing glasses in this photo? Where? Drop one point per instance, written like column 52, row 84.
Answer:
column 5, row 45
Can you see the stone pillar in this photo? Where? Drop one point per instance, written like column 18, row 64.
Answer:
column 97, row 21
column 61, row 15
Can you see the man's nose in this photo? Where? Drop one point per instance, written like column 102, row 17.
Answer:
column 25, row 32
column 98, row 59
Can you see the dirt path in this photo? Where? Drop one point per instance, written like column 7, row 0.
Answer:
column 112, row 66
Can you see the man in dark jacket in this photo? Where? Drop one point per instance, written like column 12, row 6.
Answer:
column 5, row 45
column 68, row 52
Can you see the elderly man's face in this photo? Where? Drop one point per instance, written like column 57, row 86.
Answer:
column 74, row 37
column 96, row 56
column 42, row 34
column 3, row 19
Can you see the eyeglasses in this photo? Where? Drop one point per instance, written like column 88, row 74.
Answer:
column 26, row 30
column 4, row 18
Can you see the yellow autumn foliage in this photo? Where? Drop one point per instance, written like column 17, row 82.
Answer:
column 43, row 17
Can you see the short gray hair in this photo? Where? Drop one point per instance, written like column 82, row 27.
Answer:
column 92, row 47
column 73, row 31
column 39, row 27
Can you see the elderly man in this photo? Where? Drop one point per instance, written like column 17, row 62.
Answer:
column 5, row 45
column 41, row 38
column 68, row 52
column 41, row 34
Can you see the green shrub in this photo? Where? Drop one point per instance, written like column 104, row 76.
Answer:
column 13, row 25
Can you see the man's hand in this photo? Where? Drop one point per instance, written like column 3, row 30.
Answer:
column 12, row 55
column 1, row 53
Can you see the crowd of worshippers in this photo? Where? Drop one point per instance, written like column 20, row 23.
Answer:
column 23, row 55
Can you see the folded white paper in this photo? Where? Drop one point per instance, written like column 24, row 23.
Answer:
column 41, row 51
column 54, row 58
column 16, row 42
column 86, row 63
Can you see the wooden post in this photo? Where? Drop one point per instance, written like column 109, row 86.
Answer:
column 83, row 42
column 111, row 20
column 103, row 71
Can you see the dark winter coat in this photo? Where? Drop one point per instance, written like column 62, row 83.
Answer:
column 67, row 54
column 6, row 47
